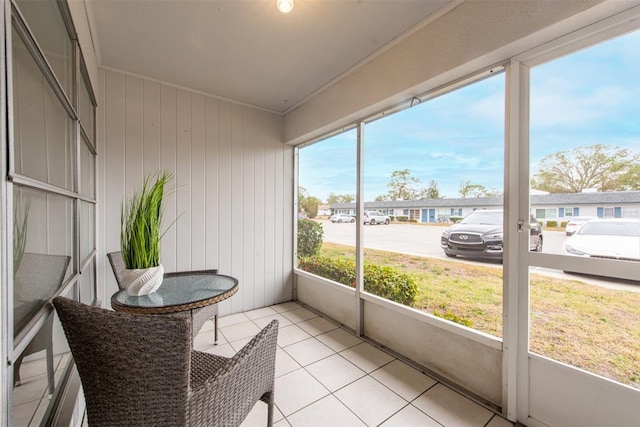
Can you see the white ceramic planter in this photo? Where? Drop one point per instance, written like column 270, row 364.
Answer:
column 142, row 281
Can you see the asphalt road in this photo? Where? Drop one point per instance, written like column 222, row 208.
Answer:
column 424, row 240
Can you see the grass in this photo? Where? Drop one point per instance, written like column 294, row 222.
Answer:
column 587, row 326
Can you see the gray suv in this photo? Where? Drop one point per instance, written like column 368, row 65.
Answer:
column 479, row 235
column 375, row 217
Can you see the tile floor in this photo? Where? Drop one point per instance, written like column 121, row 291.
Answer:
column 327, row 377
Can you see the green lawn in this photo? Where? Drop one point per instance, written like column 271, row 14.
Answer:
column 587, row 326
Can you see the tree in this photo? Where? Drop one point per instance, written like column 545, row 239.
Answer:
column 476, row 190
column 307, row 204
column 431, row 192
column 340, row 198
column 401, row 187
column 600, row 167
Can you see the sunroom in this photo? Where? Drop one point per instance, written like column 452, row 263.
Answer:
column 255, row 112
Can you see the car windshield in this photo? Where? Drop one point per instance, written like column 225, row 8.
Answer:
column 483, row 218
column 597, row 228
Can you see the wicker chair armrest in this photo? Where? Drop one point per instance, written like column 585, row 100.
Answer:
column 235, row 383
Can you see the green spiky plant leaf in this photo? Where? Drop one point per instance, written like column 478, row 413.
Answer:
column 141, row 220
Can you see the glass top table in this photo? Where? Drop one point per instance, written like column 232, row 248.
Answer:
column 179, row 292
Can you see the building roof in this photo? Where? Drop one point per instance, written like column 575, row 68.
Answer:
column 566, row 199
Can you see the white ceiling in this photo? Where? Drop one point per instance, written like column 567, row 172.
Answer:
column 246, row 50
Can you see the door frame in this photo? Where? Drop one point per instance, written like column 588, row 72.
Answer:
column 587, row 399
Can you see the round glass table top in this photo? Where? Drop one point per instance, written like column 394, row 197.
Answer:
column 178, row 292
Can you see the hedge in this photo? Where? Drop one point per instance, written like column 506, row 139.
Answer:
column 310, row 235
column 383, row 281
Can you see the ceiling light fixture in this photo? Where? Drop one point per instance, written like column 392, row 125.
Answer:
column 284, row 6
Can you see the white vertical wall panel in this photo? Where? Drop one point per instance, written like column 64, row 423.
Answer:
column 183, row 182
column 114, row 165
column 198, row 188
column 212, row 177
column 234, row 183
column 151, row 127
column 168, row 150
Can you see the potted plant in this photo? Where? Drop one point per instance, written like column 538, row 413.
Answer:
column 140, row 234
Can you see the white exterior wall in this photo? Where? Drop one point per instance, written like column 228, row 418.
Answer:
column 234, row 184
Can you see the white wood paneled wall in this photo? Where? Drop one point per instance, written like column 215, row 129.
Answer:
column 234, row 184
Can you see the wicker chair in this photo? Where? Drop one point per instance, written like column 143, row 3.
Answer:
column 141, row 370
column 37, row 279
column 199, row 315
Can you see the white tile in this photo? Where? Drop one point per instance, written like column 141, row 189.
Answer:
column 260, row 312
column 238, row 344
column 410, row 416
column 207, row 326
column 326, row 412
column 370, row 400
column 498, row 421
column 232, row 320
column 239, row 330
column 296, row 390
column 339, row 339
column 258, row 415
column 335, row 372
column 206, row 339
column 291, row 334
column 403, row 379
column 366, row 357
column 308, row 351
column 451, row 408
column 299, row 315
column 286, row 306
column 31, row 388
column 224, row 350
column 317, row 326
column 264, row 321
column 284, row 363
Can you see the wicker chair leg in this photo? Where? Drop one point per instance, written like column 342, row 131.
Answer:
column 270, row 410
column 215, row 330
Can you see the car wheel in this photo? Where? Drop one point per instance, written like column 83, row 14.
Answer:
column 386, row 222
column 539, row 244
column 340, row 221
column 450, row 255
column 353, row 220
column 373, row 222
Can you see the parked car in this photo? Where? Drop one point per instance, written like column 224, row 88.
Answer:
column 480, row 235
column 575, row 223
column 341, row 218
column 615, row 238
column 375, row 217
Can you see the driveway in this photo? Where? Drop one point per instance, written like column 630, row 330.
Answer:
column 424, row 240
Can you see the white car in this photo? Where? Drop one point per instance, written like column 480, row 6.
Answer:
column 575, row 223
column 613, row 238
column 375, row 217
column 342, row 218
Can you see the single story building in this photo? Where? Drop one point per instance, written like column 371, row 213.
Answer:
column 545, row 207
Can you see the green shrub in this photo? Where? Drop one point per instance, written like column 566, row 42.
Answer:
column 310, row 235
column 552, row 223
column 402, row 218
column 386, row 282
column 448, row 315
column 563, row 224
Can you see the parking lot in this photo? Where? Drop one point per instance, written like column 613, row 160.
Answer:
column 424, row 240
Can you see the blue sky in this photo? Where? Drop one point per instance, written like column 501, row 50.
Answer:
column 589, row 97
